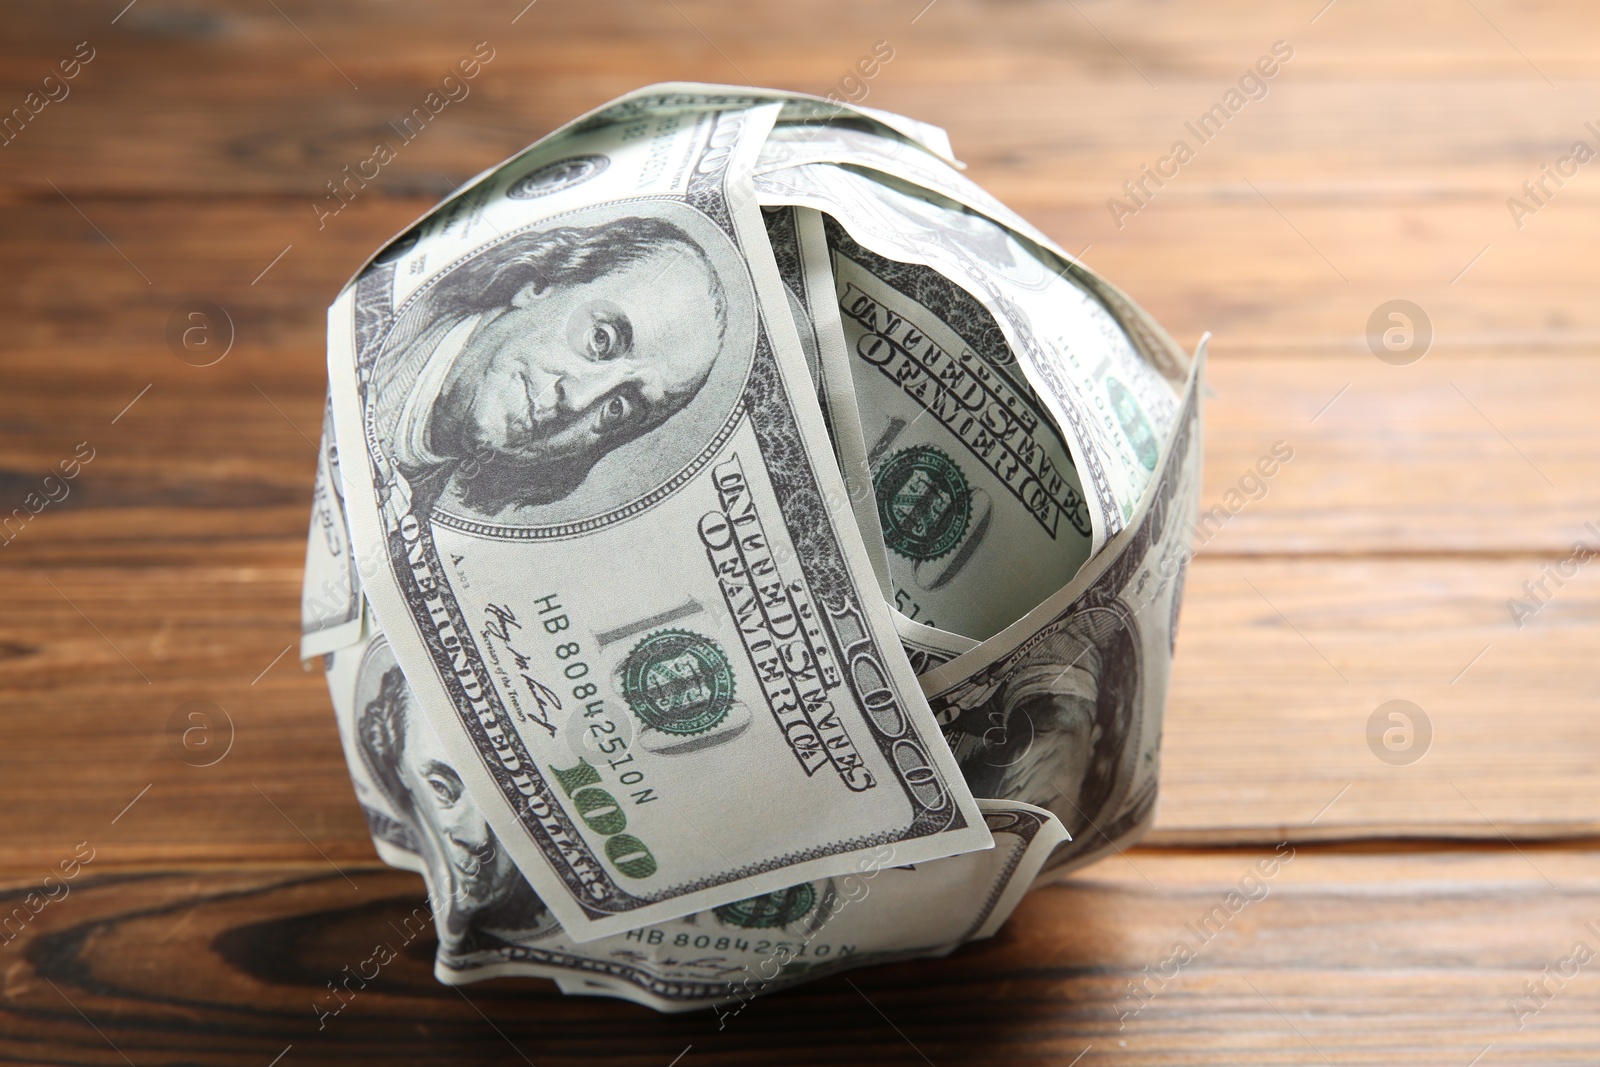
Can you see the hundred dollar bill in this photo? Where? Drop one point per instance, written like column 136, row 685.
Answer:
column 879, row 913
column 928, row 646
column 850, row 142
column 668, row 99
column 796, row 109
column 808, row 281
column 490, row 923
column 1063, row 709
column 1112, row 405
column 875, row 915
column 800, row 246
column 330, row 597
column 586, row 357
column 855, row 144
column 976, row 494
column 363, row 676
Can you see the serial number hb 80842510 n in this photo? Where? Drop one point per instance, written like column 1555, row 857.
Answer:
column 583, row 783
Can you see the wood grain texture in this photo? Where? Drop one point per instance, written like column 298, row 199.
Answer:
column 1376, row 565
column 1281, row 662
column 1352, row 957
column 1463, row 454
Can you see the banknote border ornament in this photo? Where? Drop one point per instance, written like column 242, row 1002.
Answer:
column 660, row 988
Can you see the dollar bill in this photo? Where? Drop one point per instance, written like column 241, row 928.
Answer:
column 878, row 913
column 1112, row 405
column 331, row 614
column 490, row 922
column 905, row 159
column 1064, row 708
column 975, row 490
column 795, row 109
column 362, row 678
column 668, row 99
column 587, row 482
column 1071, row 717
column 856, row 144
column 800, row 246
column 803, row 265
column 928, row 647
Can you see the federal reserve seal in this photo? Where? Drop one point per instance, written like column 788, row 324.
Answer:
column 678, row 682
column 1135, row 427
column 770, row 910
column 924, row 503
column 554, row 177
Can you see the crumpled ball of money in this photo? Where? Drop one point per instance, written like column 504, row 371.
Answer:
column 743, row 549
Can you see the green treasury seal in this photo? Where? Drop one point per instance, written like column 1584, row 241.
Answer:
column 770, row 910
column 678, row 682
column 924, row 502
column 1135, row 427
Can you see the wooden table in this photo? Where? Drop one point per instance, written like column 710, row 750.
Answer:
column 185, row 162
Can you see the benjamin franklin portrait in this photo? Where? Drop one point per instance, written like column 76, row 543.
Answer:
column 508, row 378
column 479, row 898
column 1051, row 727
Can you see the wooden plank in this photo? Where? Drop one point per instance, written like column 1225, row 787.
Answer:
column 1377, row 566
column 1281, row 665
column 1456, row 454
column 1284, row 270
column 1349, row 957
column 271, row 108
column 1416, row 188
column 213, row 466
column 1025, row 128
column 1301, row 275
column 1401, row 461
column 210, row 469
column 1267, row 722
